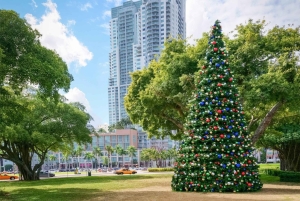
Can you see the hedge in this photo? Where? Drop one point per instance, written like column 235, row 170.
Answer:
column 289, row 176
column 271, row 172
column 160, row 169
column 285, row 176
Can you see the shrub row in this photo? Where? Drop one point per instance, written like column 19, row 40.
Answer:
column 160, row 169
column 289, row 176
column 271, row 172
column 285, row 176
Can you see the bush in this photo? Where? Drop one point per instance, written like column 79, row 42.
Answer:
column 271, row 172
column 160, row 169
column 287, row 176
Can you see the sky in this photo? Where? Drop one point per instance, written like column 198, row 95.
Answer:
column 78, row 30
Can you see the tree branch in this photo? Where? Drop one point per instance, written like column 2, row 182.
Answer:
column 266, row 122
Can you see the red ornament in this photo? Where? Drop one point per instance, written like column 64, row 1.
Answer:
column 221, row 136
column 222, row 52
column 217, row 119
column 203, row 67
column 219, row 84
column 249, row 184
column 243, row 173
column 207, row 120
column 221, row 76
column 214, row 42
column 215, row 127
column 215, row 49
column 230, row 79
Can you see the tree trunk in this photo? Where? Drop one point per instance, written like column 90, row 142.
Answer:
column 290, row 157
column 266, row 122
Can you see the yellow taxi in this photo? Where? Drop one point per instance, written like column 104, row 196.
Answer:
column 125, row 171
column 4, row 176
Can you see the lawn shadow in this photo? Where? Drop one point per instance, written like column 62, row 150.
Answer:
column 63, row 194
column 75, row 180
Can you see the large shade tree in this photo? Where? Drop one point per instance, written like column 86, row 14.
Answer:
column 46, row 126
column 33, row 121
column 265, row 63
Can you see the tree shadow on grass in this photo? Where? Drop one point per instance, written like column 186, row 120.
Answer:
column 53, row 194
column 75, row 180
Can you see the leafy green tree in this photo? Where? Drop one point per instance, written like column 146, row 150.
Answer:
column 101, row 130
column 122, row 124
column 131, row 150
column 284, row 137
column 265, row 65
column 46, row 126
column 24, row 60
column 89, row 157
column 110, row 151
column 216, row 153
column 97, row 152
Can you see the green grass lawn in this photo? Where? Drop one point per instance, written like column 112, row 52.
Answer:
column 86, row 188
column 269, row 166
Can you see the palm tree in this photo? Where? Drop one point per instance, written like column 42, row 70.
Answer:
column 65, row 158
column 172, row 154
column 145, row 156
column 52, row 158
column 89, row 156
column 97, row 152
column 78, row 153
column 120, row 151
column 131, row 152
column 109, row 150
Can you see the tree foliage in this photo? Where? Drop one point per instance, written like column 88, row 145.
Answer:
column 33, row 116
column 46, row 126
column 265, row 64
column 24, row 60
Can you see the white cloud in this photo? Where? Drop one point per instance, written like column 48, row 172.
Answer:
column 86, row 6
column 76, row 95
column 58, row 37
column 105, row 26
column 71, row 22
column 115, row 2
column 33, row 4
column 201, row 15
column 106, row 13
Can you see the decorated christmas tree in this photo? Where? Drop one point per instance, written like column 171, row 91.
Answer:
column 216, row 153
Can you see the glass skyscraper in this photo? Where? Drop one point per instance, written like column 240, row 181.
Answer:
column 138, row 30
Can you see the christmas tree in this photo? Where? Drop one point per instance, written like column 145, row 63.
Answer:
column 216, row 153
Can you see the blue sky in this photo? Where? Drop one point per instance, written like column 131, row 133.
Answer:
column 78, row 31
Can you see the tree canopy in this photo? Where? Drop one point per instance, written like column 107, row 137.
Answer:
column 34, row 118
column 45, row 126
column 265, row 64
column 23, row 60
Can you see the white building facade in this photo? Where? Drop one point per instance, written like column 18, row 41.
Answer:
column 138, row 31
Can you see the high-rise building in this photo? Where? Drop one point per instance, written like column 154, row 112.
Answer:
column 138, row 30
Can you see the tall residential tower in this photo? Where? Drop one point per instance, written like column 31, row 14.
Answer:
column 138, row 30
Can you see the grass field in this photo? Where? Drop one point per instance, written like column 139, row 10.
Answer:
column 90, row 188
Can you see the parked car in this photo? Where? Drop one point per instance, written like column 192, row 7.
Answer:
column 45, row 174
column 7, row 176
column 125, row 171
